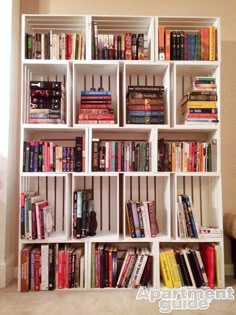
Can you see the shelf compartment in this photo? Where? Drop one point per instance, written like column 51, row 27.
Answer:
column 119, row 25
column 186, row 256
column 63, row 160
column 64, row 262
column 54, row 24
column 104, row 191
column 183, row 78
column 205, row 195
column 55, row 190
column 149, row 188
column 46, row 71
column 191, row 150
column 120, row 249
column 102, row 141
column 87, row 75
column 191, row 24
column 147, row 74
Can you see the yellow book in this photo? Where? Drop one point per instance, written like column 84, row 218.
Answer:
column 174, row 272
column 165, row 272
column 212, row 43
column 199, row 104
column 218, row 266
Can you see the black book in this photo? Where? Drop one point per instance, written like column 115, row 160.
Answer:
column 194, row 269
column 78, row 154
column 52, row 268
column 173, row 45
column 50, row 85
column 184, row 270
column 46, row 94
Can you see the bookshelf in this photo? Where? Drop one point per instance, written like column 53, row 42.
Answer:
column 146, row 173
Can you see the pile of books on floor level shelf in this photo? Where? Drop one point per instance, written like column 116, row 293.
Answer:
column 145, row 104
column 195, row 267
column 52, row 266
column 47, row 102
column 96, row 107
column 199, row 105
column 115, row 267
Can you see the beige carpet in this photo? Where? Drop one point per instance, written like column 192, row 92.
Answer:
column 99, row 302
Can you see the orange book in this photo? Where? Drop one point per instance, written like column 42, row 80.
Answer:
column 167, row 44
column 204, row 31
column 212, row 43
column 161, row 43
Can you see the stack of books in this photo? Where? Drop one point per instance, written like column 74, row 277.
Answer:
column 187, row 45
column 46, row 102
column 96, row 107
column 195, row 267
column 114, row 267
column 199, row 105
column 123, row 46
column 84, row 216
column 141, row 217
column 145, row 104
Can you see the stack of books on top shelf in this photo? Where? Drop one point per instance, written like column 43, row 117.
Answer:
column 55, row 46
column 113, row 267
column 145, row 104
column 141, row 218
column 192, row 267
column 125, row 46
column 51, row 266
column 200, row 104
column 187, row 45
column 47, row 102
column 96, row 107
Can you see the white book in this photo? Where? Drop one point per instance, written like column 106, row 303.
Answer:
column 185, row 251
column 146, row 221
column 81, row 278
column 44, row 267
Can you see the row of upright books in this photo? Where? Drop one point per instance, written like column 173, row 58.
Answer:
column 194, row 267
column 44, row 156
column 96, row 107
column 200, row 105
column 47, row 102
column 113, row 267
column 51, row 266
column 84, row 216
column 36, row 217
column 187, row 45
column 125, row 46
column 121, row 156
column 55, row 46
column 187, row 156
column 141, row 218
column 145, row 104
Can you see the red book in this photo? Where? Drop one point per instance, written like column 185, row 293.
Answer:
column 68, row 46
column 37, row 268
column 67, row 268
column 61, row 269
column 95, row 106
column 25, row 269
column 207, row 251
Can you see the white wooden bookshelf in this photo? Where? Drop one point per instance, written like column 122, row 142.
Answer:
column 112, row 190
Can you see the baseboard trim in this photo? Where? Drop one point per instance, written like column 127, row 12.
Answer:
column 229, row 270
column 7, row 271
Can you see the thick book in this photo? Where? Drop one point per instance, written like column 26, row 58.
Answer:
column 25, row 268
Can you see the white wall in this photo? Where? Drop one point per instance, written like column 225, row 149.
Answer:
column 9, row 83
